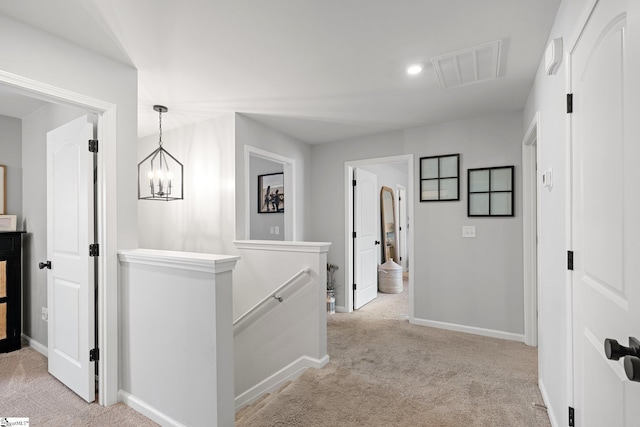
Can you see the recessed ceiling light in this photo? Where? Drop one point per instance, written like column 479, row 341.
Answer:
column 414, row 69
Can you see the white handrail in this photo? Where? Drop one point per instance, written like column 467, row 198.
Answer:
column 273, row 295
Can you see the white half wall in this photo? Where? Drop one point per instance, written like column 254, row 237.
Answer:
column 177, row 335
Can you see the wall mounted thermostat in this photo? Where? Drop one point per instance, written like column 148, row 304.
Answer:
column 553, row 56
column 547, row 181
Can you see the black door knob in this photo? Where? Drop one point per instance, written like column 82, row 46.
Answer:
column 45, row 265
column 632, row 368
column 614, row 351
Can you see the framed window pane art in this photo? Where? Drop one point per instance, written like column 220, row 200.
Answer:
column 491, row 191
column 440, row 178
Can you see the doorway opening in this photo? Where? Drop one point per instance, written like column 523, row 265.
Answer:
column 106, row 225
column 254, row 159
column 531, row 203
column 385, row 167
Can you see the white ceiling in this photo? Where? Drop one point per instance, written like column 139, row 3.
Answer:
column 319, row 70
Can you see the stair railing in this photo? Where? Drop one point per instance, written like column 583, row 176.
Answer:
column 242, row 322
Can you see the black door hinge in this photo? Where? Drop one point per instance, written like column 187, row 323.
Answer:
column 94, row 249
column 94, row 355
column 354, row 287
column 93, row 145
column 569, row 260
column 571, row 417
column 400, row 258
column 353, row 182
column 354, row 234
column 569, row 103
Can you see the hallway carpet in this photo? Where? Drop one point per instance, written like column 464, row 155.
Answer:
column 387, row 372
column 28, row 391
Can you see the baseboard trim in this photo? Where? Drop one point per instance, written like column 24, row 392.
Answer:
column 272, row 383
column 341, row 309
column 469, row 329
column 42, row 349
column 545, row 399
column 147, row 410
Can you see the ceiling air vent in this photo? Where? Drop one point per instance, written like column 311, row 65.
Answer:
column 467, row 66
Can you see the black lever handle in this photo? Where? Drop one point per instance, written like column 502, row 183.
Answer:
column 614, row 351
column 45, row 265
column 377, row 242
column 632, row 368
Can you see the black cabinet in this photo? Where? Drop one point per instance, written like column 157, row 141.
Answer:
column 10, row 290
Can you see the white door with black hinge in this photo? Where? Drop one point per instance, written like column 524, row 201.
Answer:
column 365, row 244
column 70, row 278
column 605, row 214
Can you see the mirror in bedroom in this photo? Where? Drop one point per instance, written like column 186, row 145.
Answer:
column 388, row 219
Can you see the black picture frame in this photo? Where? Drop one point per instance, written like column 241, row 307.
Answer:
column 491, row 192
column 440, row 178
column 271, row 193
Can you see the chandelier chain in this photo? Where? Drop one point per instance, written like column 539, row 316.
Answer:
column 160, row 121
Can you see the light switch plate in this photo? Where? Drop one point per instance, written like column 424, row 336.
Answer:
column 468, row 231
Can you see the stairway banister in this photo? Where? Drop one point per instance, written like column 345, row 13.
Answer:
column 272, row 295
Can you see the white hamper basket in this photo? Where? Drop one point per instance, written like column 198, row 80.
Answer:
column 390, row 278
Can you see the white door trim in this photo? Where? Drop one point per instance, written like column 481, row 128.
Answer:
column 349, row 166
column 581, row 24
column 106, row 226
column 531, row 224
column 290, row 180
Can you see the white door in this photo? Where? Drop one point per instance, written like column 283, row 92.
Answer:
column 70, row 280
column 605, row 80
column 365, row 244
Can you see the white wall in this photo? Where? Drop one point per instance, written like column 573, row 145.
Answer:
column 471, row 282
column 37, row 55
column 249, row 132
column 34, row 208
column 262, row 223
column 203, row 221
column 11, row 157
column 548, row 97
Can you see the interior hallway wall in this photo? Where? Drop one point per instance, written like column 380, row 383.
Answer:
column 202, row 222
column 255, row 134
column 11, row 157
column 548, row 96
column 477, row 282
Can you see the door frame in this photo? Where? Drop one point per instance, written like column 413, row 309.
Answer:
column 572, row 43
column 402, row 223
column 531, row 227
column 349, row 166
column 106, row 226
column 290, row 179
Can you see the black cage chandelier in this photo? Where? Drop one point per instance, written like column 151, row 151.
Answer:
column 160, row 175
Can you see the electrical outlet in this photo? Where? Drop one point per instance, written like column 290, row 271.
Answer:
column 277, row 229
column 45, row 314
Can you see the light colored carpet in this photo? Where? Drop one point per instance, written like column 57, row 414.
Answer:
column 27, row 390
column 386, row 372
